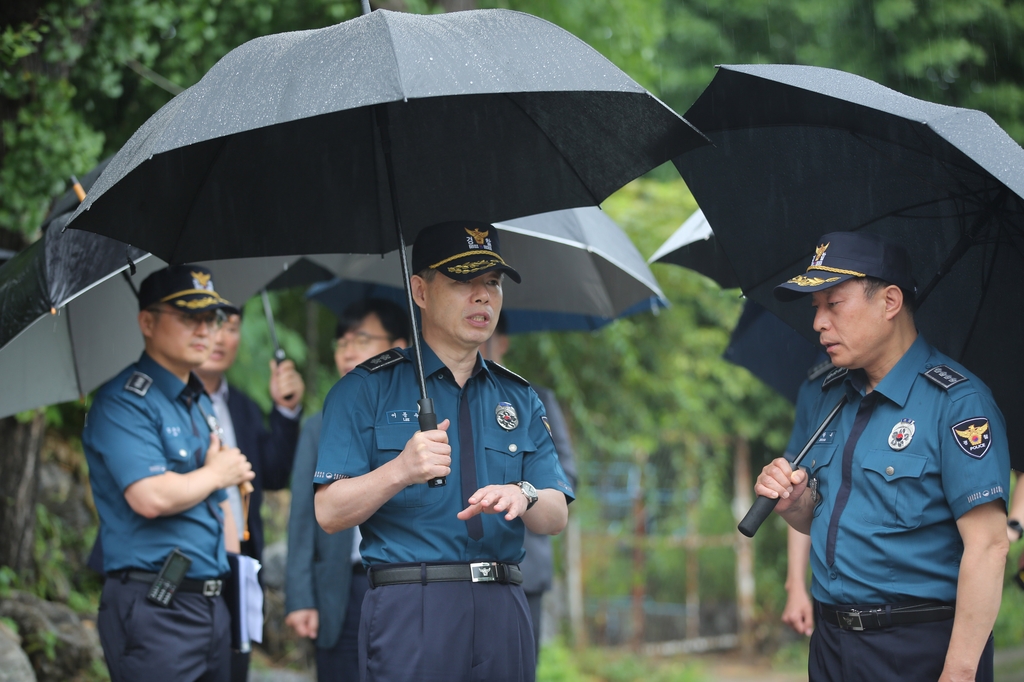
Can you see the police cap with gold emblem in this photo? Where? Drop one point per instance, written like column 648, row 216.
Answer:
column 186, row 287
column 461, row 249
column 841, row 256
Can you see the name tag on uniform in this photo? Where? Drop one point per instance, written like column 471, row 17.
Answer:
column 825, row 437
column 403, row 417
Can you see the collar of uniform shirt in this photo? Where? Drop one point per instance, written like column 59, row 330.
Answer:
column 433, row 365
column 168, row 384
column 897, row 383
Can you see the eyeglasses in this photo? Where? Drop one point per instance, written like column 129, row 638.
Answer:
column 358, row 340
column 213, row 319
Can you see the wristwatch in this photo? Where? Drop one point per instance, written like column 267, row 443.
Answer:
column 530, row 492
column 1015, row 525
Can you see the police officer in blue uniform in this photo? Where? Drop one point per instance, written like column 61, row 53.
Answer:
column 446, row 601
column 158, row 470
column 905, row 494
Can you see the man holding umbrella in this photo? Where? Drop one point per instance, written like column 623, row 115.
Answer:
column 157, row 470
column 905, row 496
column 446, row 601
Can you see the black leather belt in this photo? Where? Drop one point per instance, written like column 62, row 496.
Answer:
column 207, row 588
column 479, row 572
column 874, row 617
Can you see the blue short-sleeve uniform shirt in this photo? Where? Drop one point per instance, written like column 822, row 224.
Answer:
column 145, row 422
column 934, row 448
column 371, row 414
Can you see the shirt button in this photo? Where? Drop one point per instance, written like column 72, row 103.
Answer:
column 513, row 447
column 183, row 453
column 889, row 471
column 833, row 575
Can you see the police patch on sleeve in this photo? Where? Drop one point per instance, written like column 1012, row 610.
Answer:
column 973, row 436
column 547, row 425
column 138, row 383
column 506, row 416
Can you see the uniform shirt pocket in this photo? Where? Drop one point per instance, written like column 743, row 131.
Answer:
column 390, row 440
column 504, row 455
column 179, row 450
column 817, row 462
column 894, row 488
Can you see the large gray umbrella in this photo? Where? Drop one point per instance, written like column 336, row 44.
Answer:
column 694, row 246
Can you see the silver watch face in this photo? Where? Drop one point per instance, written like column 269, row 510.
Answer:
column 528, row 489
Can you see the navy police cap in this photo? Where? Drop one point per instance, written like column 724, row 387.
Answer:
column 186, row 287
column 461, row 249
column 841, row 256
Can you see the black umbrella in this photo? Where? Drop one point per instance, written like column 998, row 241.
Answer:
column 378, row 127
column 800, row 151
column 694, row 246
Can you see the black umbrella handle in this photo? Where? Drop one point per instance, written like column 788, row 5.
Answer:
column 763, row 506
column 428, row 422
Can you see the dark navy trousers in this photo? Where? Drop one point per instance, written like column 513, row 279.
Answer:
column 446, row 632
column 900, row 653
column 188, row 641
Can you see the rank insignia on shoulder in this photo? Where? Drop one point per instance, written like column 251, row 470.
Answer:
column 835, row 375
column 385, row 359
column 507, row 372
column 901, row 434
column 944, row 377
column 506, row 416
column 973, row 436
column 138, row 383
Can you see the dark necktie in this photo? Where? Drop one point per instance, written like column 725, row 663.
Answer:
column 867, row 406
column 467, row 465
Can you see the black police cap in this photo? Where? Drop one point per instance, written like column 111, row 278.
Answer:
column 460, row 249
column 841, row 256
column 186, row 287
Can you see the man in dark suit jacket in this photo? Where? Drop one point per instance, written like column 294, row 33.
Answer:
column 270, row 452
column 325, row 579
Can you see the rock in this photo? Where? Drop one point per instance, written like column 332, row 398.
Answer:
column 275, row 556
column 58, row 643
column 14, row 663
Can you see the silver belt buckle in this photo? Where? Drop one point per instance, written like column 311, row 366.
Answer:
column 483, row 572
column 852, row 620
column 211, row 588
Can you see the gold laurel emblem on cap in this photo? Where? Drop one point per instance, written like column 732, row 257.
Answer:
column 805, row 281
column 199, row 302
column 474, row 266
column 478, row 235
column 819, row 254
column 202, row 280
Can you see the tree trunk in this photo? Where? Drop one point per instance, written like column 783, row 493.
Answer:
column 20, row 446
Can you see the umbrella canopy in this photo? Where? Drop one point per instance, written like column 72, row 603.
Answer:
column 800, row 151
column 694, row 246
column 774, row 352
column 577, row 262
column 580, row 272
column 488, row 115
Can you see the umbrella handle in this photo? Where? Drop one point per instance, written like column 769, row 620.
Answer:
column 280, row 357
column 428, row 422
column 763, row 506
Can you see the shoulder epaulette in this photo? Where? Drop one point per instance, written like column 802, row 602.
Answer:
column 385, row 359
column 835, row 375
column 138, row 383
column 944, row 376
column 507, row 372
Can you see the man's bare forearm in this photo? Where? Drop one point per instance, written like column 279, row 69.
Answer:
column 347, row 502
column 800, row 514
column 549, row 515
column 979, row 588
column 170, row 493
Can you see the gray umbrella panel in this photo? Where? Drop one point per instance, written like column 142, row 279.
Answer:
column 573, row 261
column 94, row 334
column 694, row 246
column 282, row 132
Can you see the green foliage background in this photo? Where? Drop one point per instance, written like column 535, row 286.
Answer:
column 651, row 387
